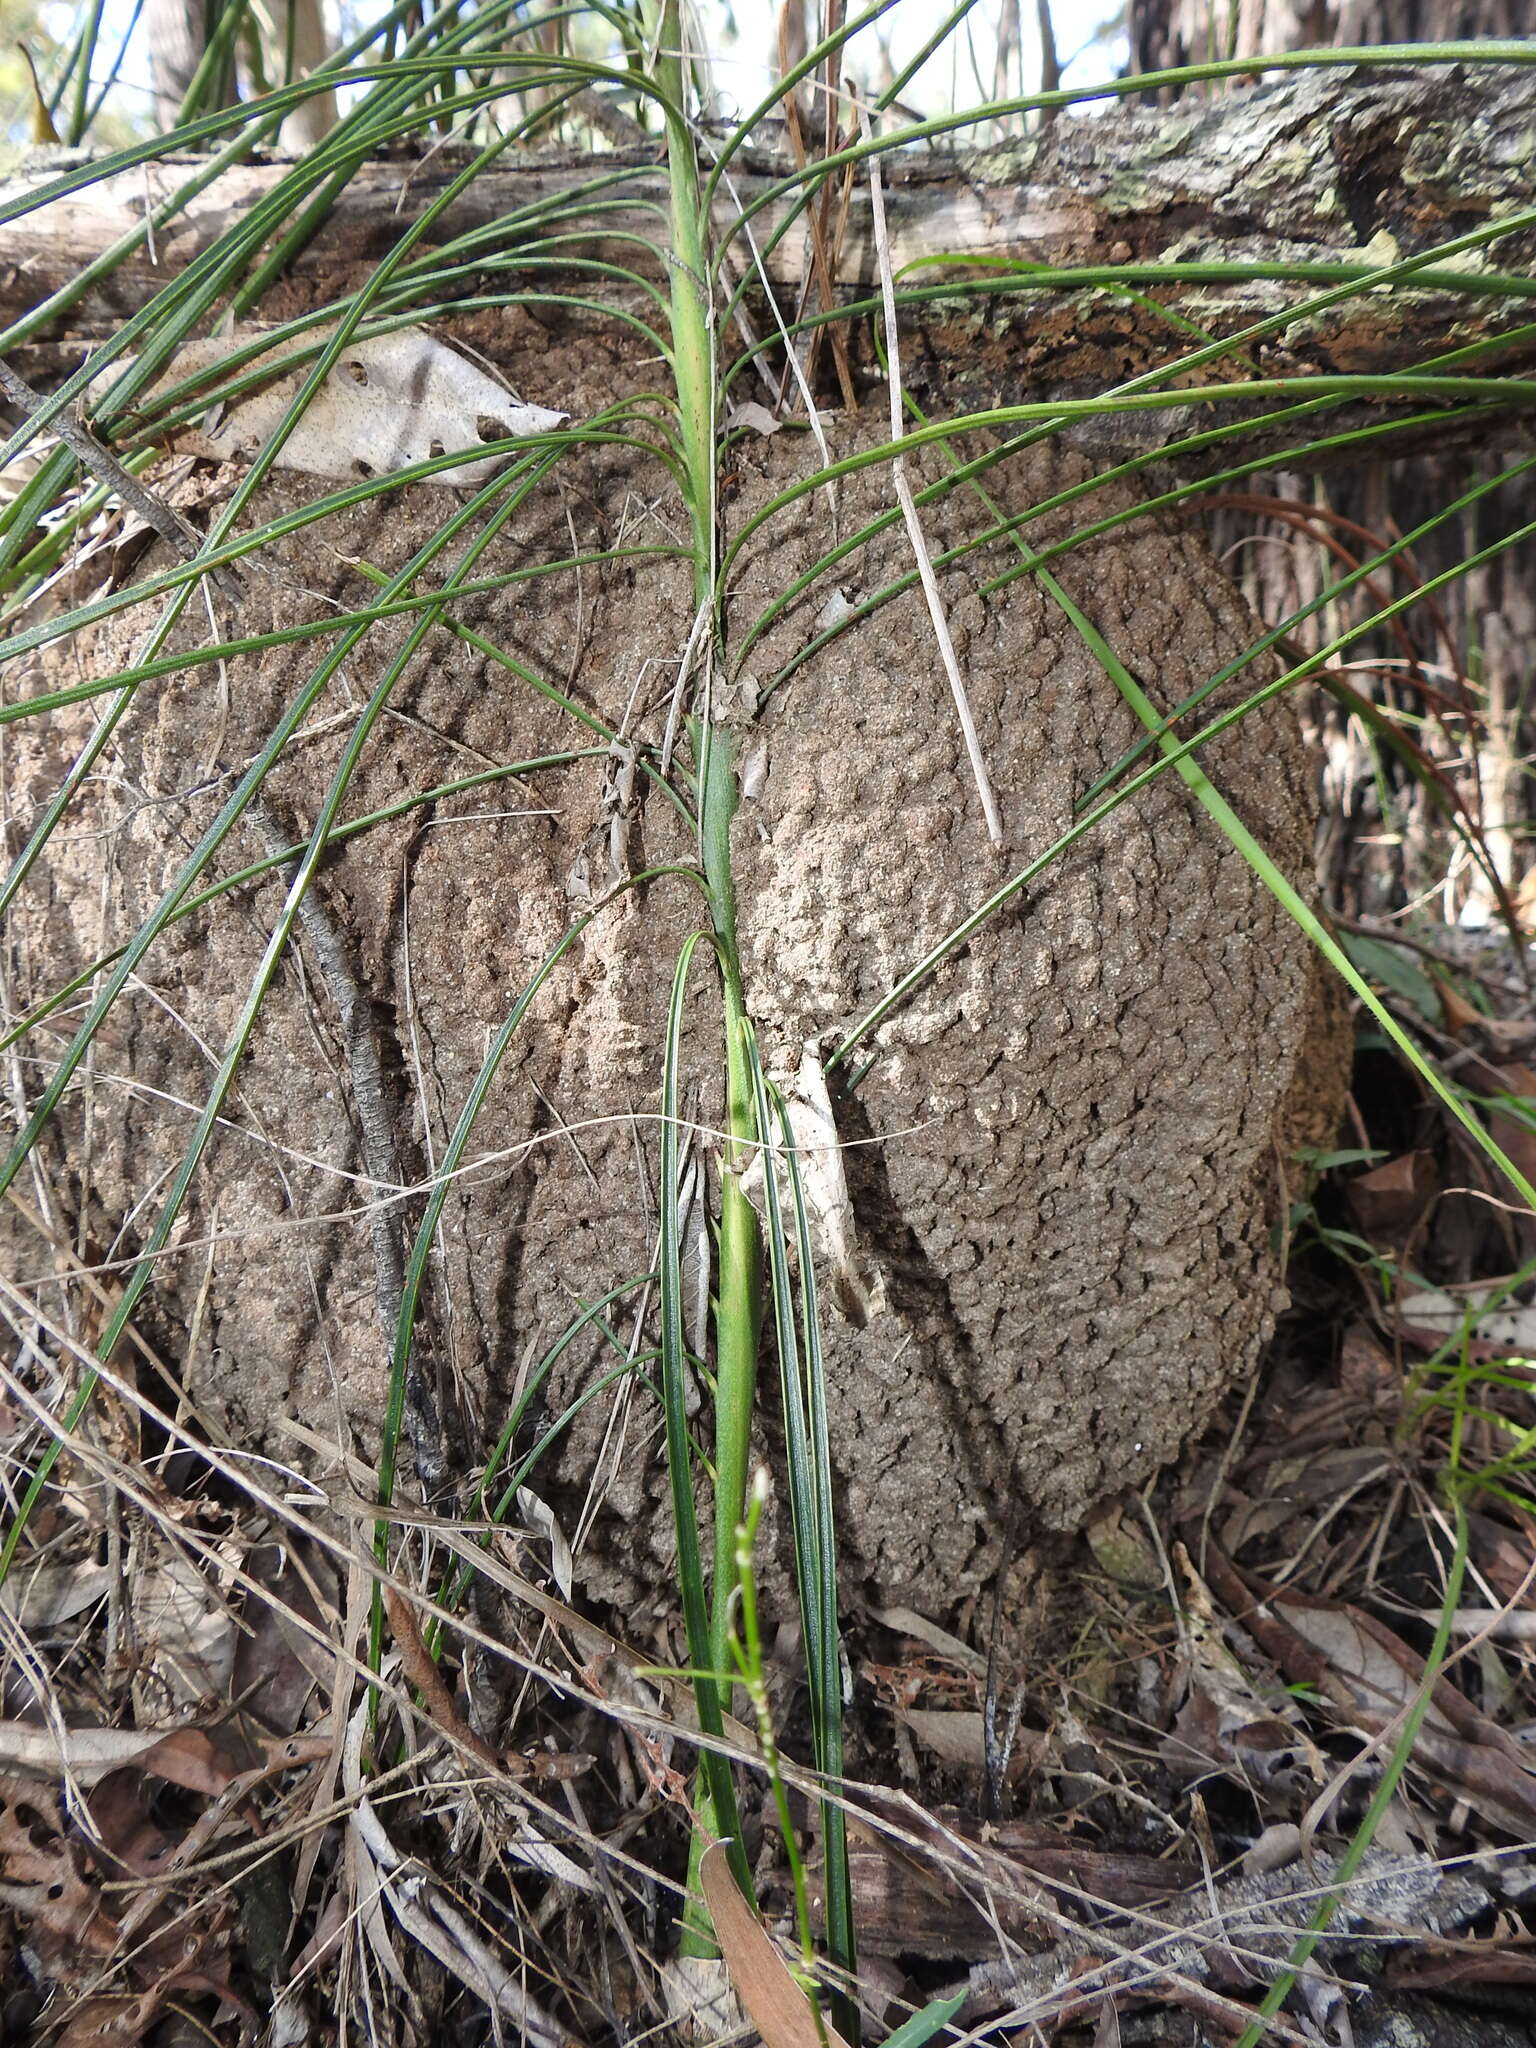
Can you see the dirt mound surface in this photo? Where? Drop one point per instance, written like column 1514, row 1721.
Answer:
column 1065, row 1162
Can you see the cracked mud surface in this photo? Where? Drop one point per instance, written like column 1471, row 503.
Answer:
column 1068, row 1156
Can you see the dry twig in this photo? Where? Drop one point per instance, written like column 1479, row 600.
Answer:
column 106, row 468
column 909, row 509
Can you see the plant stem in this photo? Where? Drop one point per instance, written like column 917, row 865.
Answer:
column 739, row 1292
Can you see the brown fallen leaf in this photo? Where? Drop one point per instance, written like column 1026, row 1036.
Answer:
column 43, row 1884
column 278, row 1664
column 1389, row 1202
column 959, row 1739
column 1458, row 1969
column 184, row 1614
column 420, row 1667
column 943, row 1884
column 182, row 1756
column 107, row 2022
column 1503, row 1550
column 1368, row 1676
column 1367, row 1370
column 64, row 1916
column 31, row 1832
column 1460, row 1015
column 779, row 2008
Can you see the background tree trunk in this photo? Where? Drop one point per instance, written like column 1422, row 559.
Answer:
column 177, row 37
column 1167, row 33
column 304, row 21
column 178, row 33
column 1489, row 641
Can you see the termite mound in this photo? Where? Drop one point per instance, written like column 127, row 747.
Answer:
column 1065, row 1159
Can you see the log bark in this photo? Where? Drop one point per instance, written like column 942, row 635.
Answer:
column 1334, row 168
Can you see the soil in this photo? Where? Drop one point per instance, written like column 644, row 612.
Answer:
column 1065, row 1164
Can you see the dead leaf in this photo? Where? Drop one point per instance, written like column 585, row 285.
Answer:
column 187, row 1625
column 779, row 2008
column 1460, row 1016
column 943, row 1885
column 1504, row 1555
column 1122, row 1550
column 1436, row 1313
column 1292, row 1489
column 41, row 1881
column 819, row 1161
column 837, row 611
column 906, row 1621
column 278, row 1663
column 1459, row 1969
column 1382, row 1677
column 1367, row 1371
column 31, row 1832
column 184, row 1756
column 538, row 1517
column 755, row 416
column 48, row 1594
column 958, row 1739
column 1369, row 1677
column 700, row 2003
column 1226, row 1718
column 107, row 2022
column 391, row 401
column 420, row 1667
column 1389, row 1202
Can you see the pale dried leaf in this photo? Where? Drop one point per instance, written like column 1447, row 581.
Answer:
column 1470, row 1754
column 32, row 1845
column 291, row 2025
column 1275, row 1849
column 184, row 1756
column 23, row 467
column 1380, row 1682
column 906, row 1621
column 701, row 2004
column 188, row 1629
column 754, row 415
column 538, row 1516
column 1444, row 1313
column 49, row 1594
column 62, row 1904
column 108, row 2022
column 390, row 401
column 835, row 612
column 1214, row 1672
column 825, row 1184
column 958, row 1739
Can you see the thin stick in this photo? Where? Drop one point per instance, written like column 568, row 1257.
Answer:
column 909, row 509
column 106, row 468
column 381, row 1157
